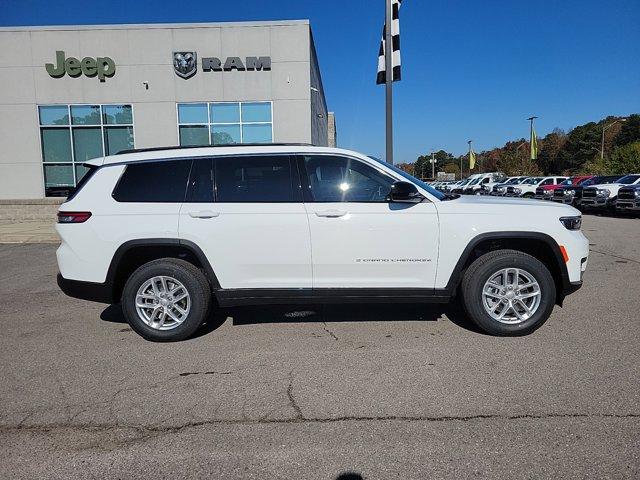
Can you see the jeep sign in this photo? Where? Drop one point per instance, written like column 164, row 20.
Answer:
column 101, row 67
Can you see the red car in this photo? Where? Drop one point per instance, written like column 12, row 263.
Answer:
column 546, row 192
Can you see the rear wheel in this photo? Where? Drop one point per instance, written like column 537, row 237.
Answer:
column 508, row 293
column 166, row 300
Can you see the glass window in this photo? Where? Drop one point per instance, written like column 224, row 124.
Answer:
column 225, row 134
column 224, row 123
column 256, row 112
column 58, row 175
column 342, row 179
column 56, row 145
column 262, row 178
column 225, row 112
column 192, row 113
column 117, row 114
column 87, row 144
column 85, row 114
column 201, row 182
column 117, row 139
column 94, row 130
column 194, row 135
column 54, row 115
column 256, row 133
column 164, row 181
column 548, row 181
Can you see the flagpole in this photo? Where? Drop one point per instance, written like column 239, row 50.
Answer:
column 388, row 53
column 531, row 119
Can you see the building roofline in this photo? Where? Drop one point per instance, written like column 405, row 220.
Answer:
column 128, row 26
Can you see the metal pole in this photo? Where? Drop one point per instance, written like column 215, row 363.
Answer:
column 388, row 52
column 602, row 145
column 433, row 166
column 469, row 142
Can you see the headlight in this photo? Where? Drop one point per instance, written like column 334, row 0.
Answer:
column 502, row 189
column 517, row 191
column 572, row 223
column 547, row 193
column 603, row 192
column 569, row 192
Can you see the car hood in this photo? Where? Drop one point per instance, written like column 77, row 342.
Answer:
column 498, row 202
column 609, row 186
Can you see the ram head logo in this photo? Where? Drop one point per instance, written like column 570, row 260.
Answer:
column 185, row 63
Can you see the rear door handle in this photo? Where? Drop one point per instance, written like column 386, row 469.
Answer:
column 204, row 214
column 331, row 213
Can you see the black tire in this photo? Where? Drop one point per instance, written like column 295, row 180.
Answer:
column 528, row 195
column 193, row 280
column 487, row 265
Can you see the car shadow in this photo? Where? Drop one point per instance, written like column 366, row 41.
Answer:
column 352, row 312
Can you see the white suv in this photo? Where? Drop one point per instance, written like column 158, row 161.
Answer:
column 527, row 189
column 171, row 233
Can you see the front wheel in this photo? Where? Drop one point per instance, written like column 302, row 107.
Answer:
column 508, row 293
column 166, row 300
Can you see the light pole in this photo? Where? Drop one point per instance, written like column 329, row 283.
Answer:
column 433, row 166
column 604, row 130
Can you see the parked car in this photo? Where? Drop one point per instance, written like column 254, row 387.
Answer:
column 527, row 189
column 604, row 196
column 545, row 192
column 459, row 188
column 165, row 232
column 628, row 199
column 572, row 194
column 500, row 189
column 483, row 183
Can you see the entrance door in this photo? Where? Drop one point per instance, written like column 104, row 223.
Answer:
column 247, row 215
column 358, row 239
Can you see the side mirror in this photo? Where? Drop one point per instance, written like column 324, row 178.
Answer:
column 404, row 192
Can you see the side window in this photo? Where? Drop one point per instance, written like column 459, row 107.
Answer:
column 260, row 178
column 342, row 179
column 486, row 180
column 161, row 181
column 201, row 182
column 548, row 181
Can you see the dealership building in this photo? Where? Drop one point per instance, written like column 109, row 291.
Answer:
column 72, row 93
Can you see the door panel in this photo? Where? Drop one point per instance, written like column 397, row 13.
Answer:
column 365, row 241
column 250, row 244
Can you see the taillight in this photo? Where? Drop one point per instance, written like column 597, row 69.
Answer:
column 73, row 217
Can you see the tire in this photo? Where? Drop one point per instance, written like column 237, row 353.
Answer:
column 487, row 267
column 528, row 195
column 196, row 305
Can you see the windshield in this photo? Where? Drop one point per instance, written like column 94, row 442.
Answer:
column 412, row 179
column 514, row 181
column 532, row 181
column 475, row 181
column 568, row 181
column 629, row 179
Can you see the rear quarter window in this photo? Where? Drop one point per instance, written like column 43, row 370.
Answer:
column 153, row 182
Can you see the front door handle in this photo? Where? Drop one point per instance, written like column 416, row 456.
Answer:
column 331, row 213
column 204, row 214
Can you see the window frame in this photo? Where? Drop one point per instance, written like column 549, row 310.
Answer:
column 210, row 123
column 71, row 126
column 306, row 188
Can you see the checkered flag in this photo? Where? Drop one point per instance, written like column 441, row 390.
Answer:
column 395, row 50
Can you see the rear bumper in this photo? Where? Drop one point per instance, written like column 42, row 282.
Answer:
column 94, row 292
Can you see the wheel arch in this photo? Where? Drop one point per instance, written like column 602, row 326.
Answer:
column 539, row 245
column 134, row 253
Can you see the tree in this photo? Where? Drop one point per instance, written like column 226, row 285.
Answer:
column 625, row 159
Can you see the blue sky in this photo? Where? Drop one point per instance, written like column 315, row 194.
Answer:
column 471, row 69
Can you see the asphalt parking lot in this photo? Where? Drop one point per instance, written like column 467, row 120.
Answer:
column 378, row 392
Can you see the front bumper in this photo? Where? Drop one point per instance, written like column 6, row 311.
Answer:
column 631, row 205
column 596, row 202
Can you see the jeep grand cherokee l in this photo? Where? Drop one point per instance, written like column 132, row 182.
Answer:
column 172, row 233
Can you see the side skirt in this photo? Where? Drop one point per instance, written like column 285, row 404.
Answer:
column 242, row 296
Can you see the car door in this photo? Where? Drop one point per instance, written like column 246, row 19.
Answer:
column 246, row 214
column 358, row 239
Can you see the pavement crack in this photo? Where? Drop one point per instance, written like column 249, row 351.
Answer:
column 292, row 401
column 615, row 256
column 326, row 329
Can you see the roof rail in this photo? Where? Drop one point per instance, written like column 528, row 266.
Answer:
column 183, row 147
